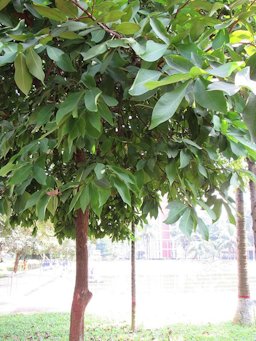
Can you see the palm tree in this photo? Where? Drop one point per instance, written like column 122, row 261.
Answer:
column 243, row 314
column 252, row 186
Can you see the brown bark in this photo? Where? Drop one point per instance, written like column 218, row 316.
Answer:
column 16, row 262
column 243, row 286
column 243, row 313
column 252, row 186
column 133, row 281
column 82, row 295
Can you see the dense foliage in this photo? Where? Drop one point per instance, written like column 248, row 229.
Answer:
column 108, row 105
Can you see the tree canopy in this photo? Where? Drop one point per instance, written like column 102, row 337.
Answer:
column 108, row 105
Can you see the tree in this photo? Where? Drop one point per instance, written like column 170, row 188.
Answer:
column 105, row 104
column 252, row 187
column 133, row 280
column 243, row 314
column 21, row 242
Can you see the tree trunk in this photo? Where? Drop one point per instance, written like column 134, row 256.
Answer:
column 244, row 309
column 82, row 295
column 16, row 262
column 252, row 186
column 133, row 280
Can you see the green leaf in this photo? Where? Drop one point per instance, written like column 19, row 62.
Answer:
column 54, row 53
column 167, row 105
column 112, row 16
column 231, row 217
column 84, row 198
column 61, row 59
column 187, row 224
column 168, row 80
column 21, row 174
column 203, row 229
column 159, row 30
column 213, row 100
column 42, row 115
column 176, row 209
column 171, row 171
column 242, row 79
column 105, row 113
column 202, row 170
column 7, row 58
column 91, row 98
column 210, row 212
column 240, row 36
column 67, row 7
column 114, row 43
column 123, row 191
column 74, row 201
column 220, row 39
column 110, row 101
column 94, row 51
column 71, row 103
column 185, row 158
column 127, row 28
column 3, row 4
column 104, row 194
column 7, row 169
column 94, row 194
column 34, row 64
column 191, row 143
column 94, row 119
column 249, row 116
column 99, row 170
column 50, row 13
column 41, row 207
column 179, row 63
column 22, row 76
column 52, row 205
column 34, row 198
column 229, row 88
column 143, row 76
column 65, row 63
column 225, row 70
column 153, row 51
column 40, row 175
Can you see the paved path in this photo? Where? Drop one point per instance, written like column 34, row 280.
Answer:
column 167, row 292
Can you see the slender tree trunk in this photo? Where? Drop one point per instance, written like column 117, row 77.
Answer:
column 252, row 186
column 16, row 262
column 133, row 280
column 82, row 295
column 244, row 309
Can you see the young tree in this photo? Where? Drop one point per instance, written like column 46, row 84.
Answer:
column 105, row 103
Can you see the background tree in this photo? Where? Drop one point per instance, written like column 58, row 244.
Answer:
column 21, row 243
column 104, row 101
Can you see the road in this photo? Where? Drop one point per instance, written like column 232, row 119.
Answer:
column 167, row 291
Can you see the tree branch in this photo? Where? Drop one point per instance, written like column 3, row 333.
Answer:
column 180, row 8
column 90, row 16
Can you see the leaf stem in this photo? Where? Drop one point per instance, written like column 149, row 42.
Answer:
column 103, row 26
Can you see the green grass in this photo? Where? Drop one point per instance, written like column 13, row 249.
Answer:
column 39, row 327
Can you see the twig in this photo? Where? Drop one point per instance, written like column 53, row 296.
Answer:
column 181, row 7
column 253, row 2
column 233, row 25
column 103, row 26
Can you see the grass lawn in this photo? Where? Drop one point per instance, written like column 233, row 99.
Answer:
column 55, row 327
